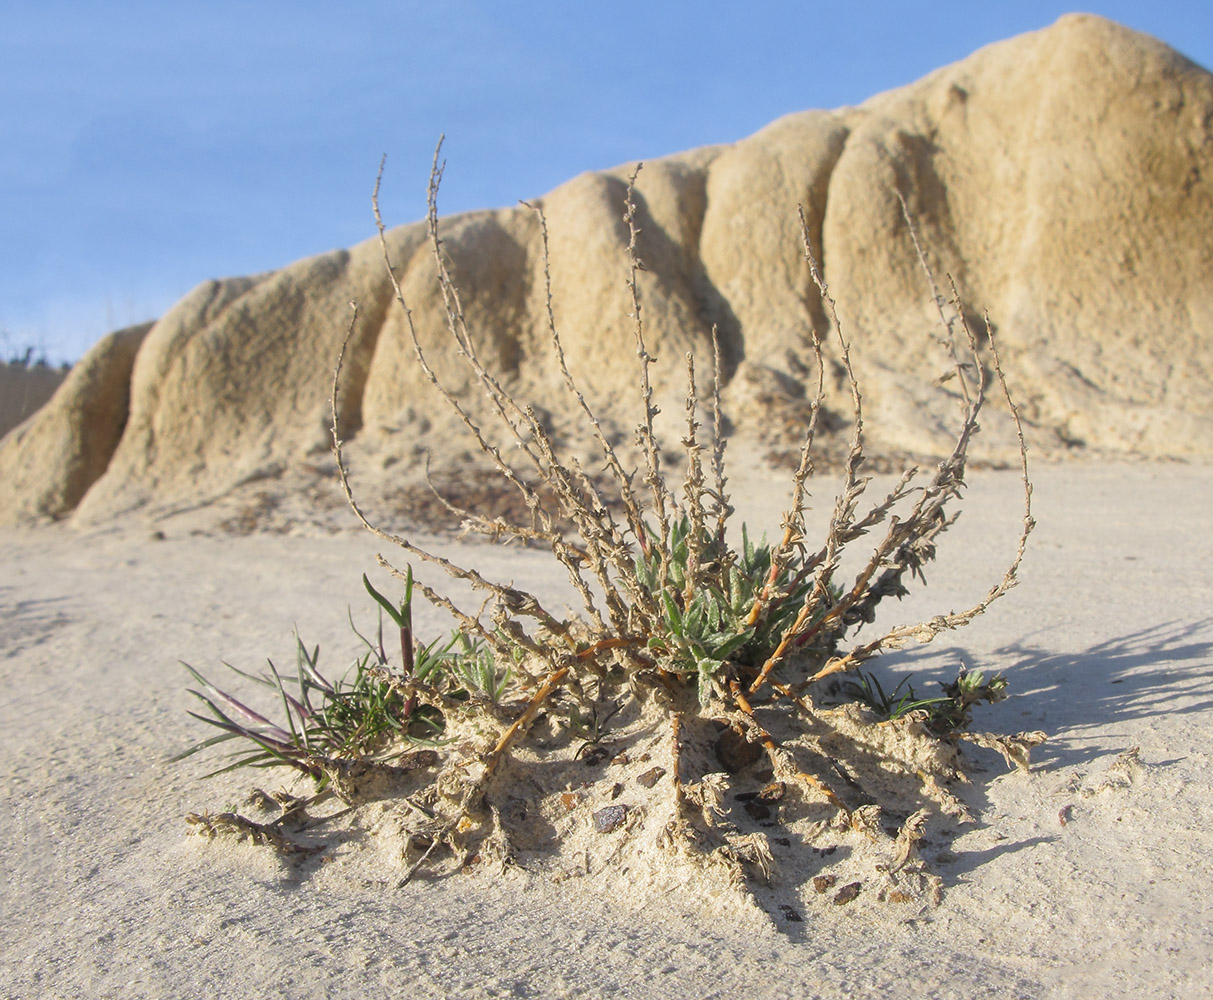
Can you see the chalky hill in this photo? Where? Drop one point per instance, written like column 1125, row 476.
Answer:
column 1064, row 178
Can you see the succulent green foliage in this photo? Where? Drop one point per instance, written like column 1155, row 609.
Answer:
column 699, row 640
column 700, row 635
column 970, row 688
column 476, row 668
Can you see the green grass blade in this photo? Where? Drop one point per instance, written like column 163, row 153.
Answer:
column 384, row 603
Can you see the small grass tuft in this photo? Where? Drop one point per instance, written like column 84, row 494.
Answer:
column 944, row 716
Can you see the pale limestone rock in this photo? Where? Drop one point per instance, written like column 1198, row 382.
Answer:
column 50, row 461
column 1063, row 178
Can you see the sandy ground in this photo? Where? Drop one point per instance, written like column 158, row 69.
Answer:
column 1108, row 644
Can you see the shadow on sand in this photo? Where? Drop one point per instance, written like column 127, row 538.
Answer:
column 1080, row 697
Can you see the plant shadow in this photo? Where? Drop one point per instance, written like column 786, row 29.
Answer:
column 1079, row 697
column 28, row 623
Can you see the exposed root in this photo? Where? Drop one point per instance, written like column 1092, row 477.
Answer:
column 212, row 825
column 652, row 799
column 1015, row 750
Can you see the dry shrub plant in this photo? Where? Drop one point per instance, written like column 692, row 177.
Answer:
column 705, row 710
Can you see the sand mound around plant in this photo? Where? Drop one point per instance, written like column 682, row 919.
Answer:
column 654, row 804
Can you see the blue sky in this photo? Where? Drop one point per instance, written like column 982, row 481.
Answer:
column 145, row 147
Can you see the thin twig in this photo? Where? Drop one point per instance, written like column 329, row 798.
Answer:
column 662, row 499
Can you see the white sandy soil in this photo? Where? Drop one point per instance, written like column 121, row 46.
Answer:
column 1108, row 644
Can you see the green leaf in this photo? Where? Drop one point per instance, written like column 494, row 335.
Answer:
column 733, row 643
column 672, row 613
column 695, row 621
column 400, row 618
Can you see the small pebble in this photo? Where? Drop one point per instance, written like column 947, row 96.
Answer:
column 596, row 755
column 610, row 818
column 823, row 883
column 650, row 777
column 847, row 893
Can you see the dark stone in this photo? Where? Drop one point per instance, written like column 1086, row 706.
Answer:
column 823, row 883
column 596, row 755
column 651, row 777
column 790, row 914
column 610, row 818
column 847, row 893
